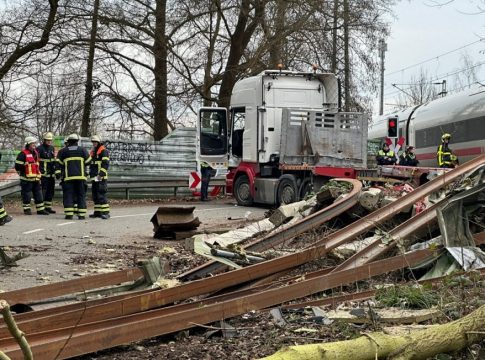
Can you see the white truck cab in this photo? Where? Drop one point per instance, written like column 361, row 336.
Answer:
column 285, row 130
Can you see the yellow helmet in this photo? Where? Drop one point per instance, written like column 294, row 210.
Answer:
column 96, row 138
column 445, row 136
column 48, row 136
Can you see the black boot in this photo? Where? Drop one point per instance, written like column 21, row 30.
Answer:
column 50, row 210
column 5, row 220
column 42, row 212
column 28, row 211
column 96, row 214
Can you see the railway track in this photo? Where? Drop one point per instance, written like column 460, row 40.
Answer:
column 91, row 326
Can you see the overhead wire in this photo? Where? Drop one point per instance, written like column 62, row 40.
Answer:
column 432, row 59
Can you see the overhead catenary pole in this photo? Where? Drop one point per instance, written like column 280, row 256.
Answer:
column 382, row 51
column 346, row 57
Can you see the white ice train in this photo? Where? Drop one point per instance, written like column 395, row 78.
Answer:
column 462, row 115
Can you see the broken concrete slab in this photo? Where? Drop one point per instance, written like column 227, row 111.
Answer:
column 371, row 198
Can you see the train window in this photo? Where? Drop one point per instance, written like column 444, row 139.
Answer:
column 461, row 131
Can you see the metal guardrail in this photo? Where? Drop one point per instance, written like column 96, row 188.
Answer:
column 127, row 184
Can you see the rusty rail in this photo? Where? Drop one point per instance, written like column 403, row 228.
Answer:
column 378, row 248
column 306, row 224
column 155, row 299
column 120, row 328
column 87, row 338
column 43, row 292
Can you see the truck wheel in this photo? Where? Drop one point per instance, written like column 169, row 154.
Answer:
column 287, row 190
column 306, row 188
column 242, row 191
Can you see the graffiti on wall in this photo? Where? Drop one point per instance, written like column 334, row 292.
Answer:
column 129, row 153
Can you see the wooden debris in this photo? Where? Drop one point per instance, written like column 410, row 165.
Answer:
column 17, row 334
column 417, row 345
column 388, row 315
column 6, row 260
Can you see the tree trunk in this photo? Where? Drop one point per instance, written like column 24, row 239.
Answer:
column 160, row 126
column 417, row 345
column 239, row 42
column 213, row 36
column 278, row 41
column 88, row 95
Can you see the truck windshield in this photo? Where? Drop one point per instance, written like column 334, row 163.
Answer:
column 213, row 132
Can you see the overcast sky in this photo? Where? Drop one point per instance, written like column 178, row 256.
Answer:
column 422, row 32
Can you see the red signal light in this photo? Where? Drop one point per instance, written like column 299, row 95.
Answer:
column 392, row 125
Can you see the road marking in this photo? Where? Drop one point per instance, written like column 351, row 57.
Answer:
column 133, row 215
column 32, row 231
column 67, row 223
column 213, row 209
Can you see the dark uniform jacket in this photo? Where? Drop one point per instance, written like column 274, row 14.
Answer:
column 71, row 163
column 408, row 159
column 100, row 162
column 444, row 155
column 47, row 160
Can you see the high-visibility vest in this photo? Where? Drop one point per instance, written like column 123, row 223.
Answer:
column 31, row 166
column 390, row 153
column 100, row 162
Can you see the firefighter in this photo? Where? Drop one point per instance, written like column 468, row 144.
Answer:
column 27, row 166
column 4, row 217
column 206, row 172
column 98, row 172
column 408, row 158
column 71, row 165
column 47, row 170
column 444, row 153
column 385, row 156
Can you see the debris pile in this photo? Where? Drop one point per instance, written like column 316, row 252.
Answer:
column 391, row 244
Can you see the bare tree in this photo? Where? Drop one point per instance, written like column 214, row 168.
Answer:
column 20, row 39
column 420, row 91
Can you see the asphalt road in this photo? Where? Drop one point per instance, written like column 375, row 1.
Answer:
column 56, row 246
column 124, row 221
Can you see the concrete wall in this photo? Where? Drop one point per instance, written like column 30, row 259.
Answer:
column 174, row 156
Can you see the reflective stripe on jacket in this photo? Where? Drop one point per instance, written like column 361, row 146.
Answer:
column 72, row 161
column 100, row 162
column 444, row 155
column 47, row 160
column 27, row 165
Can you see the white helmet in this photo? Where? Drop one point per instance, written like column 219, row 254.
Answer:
column 73, row 137
column 30, row 140
column 48, row 136
column 96, row 138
